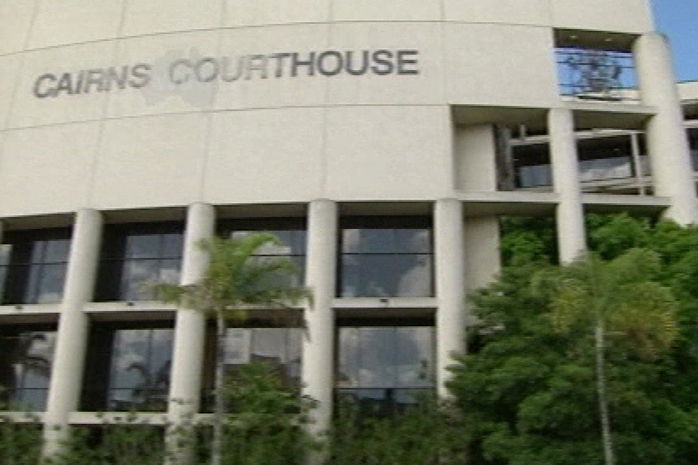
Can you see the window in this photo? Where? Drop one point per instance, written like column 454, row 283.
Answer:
column 33, row 265
column 281, row 347
column 385, row 368
column 532, row 164
column 25, row 367
column 134, row 255
column 595, row 65
column 693, row 145
column 289, row 231
column 385, row 257
column 128, row 368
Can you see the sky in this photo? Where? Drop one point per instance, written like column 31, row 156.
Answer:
column 678, row 19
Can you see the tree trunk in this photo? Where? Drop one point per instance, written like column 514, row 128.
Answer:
column 606, row 438
column 219, row 407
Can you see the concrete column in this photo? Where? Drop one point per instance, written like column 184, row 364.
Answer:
column 667, row 145
column 571, row 239
column 320, row 277
column 71, row 343
column 190, row 327
column 449, row 257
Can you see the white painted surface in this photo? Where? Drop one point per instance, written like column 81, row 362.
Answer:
column 387, row 152
column 449, row 276
column 494, row 64
column 563, row 157
column 134, row 168
column 73, row 21
column 667, row 144
column 265, row 156
column 190, row 327
column 631, row 16
column 532, row 12
column 474, row 159
column 71, row 341
column 317, row 370
column 47, row 169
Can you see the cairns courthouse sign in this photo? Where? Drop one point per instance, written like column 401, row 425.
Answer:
column 206, row 69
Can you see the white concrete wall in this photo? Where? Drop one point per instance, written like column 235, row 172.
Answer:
column 367, row 137
column 631, row 16
column 474, row 155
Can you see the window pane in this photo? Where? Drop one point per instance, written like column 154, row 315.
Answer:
column 414, row 357
column 386, row 262
column 57, row 250
column 134, row 255
column 349, row 345
column 49, row 286
column 386, row 275
column 25, row 367
column 140, row 369
column 5, row 252
column 377, row 357
column 386, row 357
column 172, row 245
column 168, row 271
column 280, row 347
column 136, row 274
column 143, row 246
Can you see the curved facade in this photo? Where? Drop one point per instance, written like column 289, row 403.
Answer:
column 380, row 141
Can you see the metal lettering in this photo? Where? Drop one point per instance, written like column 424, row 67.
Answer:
column 47, row 92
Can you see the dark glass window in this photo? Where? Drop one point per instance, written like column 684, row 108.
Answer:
column 385, row 368
column 128, row 369
column 33, row 265
column 385, row 257
column 532, row 165
column 290, row 232
column 25, row 367
column 281, row 347
column 134, row 255
column 605, row 158
column 693, row 144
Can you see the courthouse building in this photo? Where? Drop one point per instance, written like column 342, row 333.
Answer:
column 381, row 140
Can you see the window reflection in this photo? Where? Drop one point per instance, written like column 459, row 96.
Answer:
column 386, row 262
column 128, row 368
column 140, row 369
column 385, row 366
column 25, row 368
column 137, row 254
column 33, row 265
column 290, row 232
column 280, row 347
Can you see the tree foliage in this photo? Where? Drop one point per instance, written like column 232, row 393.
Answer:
column 527, row 389
column 238, row 275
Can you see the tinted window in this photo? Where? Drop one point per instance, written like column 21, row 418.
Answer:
column 25, row 368
column 33, row 266
column 136, row 255
column 382, row 261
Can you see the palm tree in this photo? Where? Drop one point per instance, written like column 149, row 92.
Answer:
column 618, row 299
column 237, row 277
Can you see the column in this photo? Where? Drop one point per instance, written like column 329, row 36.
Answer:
column 667, row 146
column 71, row 343
column 571, row 239
column 449, row 254
column 190, row 326
column 318, row 344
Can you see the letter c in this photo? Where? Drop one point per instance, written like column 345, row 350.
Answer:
column 182, row 78
column 48, row 92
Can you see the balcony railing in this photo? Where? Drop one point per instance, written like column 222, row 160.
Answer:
column 591, row 74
